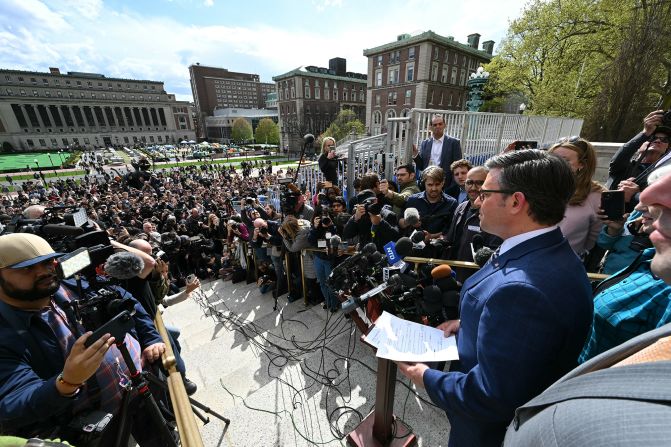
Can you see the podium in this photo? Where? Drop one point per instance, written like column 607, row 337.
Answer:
column 379, row 428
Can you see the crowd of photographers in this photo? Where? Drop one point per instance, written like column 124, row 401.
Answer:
column 212, row 222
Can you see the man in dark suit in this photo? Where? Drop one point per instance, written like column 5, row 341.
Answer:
column 525, row 314
column 439, row 150
column 621, row 397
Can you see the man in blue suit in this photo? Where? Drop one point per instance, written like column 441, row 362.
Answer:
column 525, row 314
column 439, row 150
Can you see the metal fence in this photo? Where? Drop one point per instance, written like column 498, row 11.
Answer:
column 482, row 135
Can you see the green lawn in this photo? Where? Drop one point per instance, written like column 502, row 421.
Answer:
column 19, row 162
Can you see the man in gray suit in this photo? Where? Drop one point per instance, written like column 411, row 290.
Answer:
column 439, row 150
column 600, row 402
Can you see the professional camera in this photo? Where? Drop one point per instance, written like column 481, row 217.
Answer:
column 289, row 195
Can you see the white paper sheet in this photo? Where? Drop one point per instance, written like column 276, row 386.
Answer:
column 397, row 339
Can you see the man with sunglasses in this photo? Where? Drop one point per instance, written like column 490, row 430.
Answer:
column 438, row 150
column 636, row 159
column 466, row 225
column 525, row 314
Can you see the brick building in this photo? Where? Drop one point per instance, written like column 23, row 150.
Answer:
column 309, row 99
column 425, row 71
column 217, row 88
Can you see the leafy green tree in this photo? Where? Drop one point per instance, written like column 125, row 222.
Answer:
column 267, row 132
column 602, row 60
column 241, row 130
column 345, row 123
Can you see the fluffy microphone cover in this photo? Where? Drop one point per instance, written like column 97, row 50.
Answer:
column 124, row 265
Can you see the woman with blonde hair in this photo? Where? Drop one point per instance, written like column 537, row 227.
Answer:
column 581, row 224
column 328, row 161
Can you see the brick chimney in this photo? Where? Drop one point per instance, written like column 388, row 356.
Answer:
column 474, row 40
column 488, row 47
column 54, row 70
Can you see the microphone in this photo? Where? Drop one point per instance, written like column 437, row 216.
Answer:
column 404, row 247
column 353, row 301
column 335, row 241
column 309, row 138
column 402, row 281
column 441, row 271
column 124, row 265
column 411, row 216
column 482, row 256
column 366, row 251
column 443, row 278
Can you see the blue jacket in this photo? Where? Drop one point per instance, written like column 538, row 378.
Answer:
column 524, row 319
column 30, row 360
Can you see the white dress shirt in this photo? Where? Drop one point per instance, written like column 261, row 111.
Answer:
column 516, row 240
column 436, row 151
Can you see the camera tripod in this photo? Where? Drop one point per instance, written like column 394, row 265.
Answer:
column 139, row 381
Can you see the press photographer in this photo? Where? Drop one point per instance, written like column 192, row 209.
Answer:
column 49, row 378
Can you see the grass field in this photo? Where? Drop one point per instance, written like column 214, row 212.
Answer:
column 19, row 162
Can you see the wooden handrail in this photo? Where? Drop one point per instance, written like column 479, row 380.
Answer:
column 189, row 433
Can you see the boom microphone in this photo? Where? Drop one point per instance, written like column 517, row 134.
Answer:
column 404, row 247
column 309, row 138
column 482, row 256
column 124, row 265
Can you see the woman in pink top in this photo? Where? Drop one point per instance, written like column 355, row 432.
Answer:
column 581, row 224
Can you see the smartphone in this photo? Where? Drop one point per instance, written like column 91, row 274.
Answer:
column 526, row 145
column 327, row 184
column 117, row 327
column 191, row 278
column 612, row 204
column 161, row 255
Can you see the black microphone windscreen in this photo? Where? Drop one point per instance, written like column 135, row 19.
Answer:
column 478, row 242
column 432, row 299
column 401, row 280
column 369, row 249
column 404, row 247
column 411, row 216
column 482, row 256
column 309, row 138
column 124, row 265
column 335, row 241
column 375, row 258
column 417, row 237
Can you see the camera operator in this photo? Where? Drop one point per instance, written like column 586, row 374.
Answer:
column 268, row 231
column 630, row 165
column 359, row 225
column 322, row 261
column 435, row 208
column 405, row 175
column 328, row 160
column 47, row 374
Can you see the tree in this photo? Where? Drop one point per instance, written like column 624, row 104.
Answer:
column 267, row 132
column 601, row 60
column 345, row 123
column 242, row 130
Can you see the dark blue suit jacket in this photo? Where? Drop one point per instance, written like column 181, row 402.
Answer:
column 524, row 320
column 451, row 153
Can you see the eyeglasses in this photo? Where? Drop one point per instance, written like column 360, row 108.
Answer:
column 484, row 193
column 660, row 138
column 474, row 182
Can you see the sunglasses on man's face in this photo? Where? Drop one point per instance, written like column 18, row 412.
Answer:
column 660, row 138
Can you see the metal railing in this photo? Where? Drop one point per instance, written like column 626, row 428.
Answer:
column 482, row 135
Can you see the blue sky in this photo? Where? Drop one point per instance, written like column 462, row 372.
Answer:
column 159, row 39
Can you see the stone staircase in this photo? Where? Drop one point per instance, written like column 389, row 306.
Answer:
column 296, row 377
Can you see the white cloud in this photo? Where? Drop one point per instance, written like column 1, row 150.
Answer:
column 208, row 3
column 94, row 37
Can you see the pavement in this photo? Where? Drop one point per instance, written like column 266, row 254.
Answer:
column 298, row 376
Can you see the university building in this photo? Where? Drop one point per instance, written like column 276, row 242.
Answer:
column 217, row 88
column 41, row 110
column 309, row 99
column 426, row 71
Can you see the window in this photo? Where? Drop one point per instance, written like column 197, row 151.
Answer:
column 411, row 53
column 408, row 95
column 443, row 77
column 434, row 71
column 59, row 94
column 307, row 90
column 378, row 64
column 393, row 75
column 446, row 59
column 391, row 98
column 9, row 92
column 377, row 118
column 45, row 82
column 42, row 142
column 378, row 78
column 20, row 79
column 344, row 95
column 410, row 72
column 453, row 78
column 86, row 141
column 30, row 142
column 22, row 92
column 54, row 142
column 34, row 92
column 47, row 94
column 436, row 53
